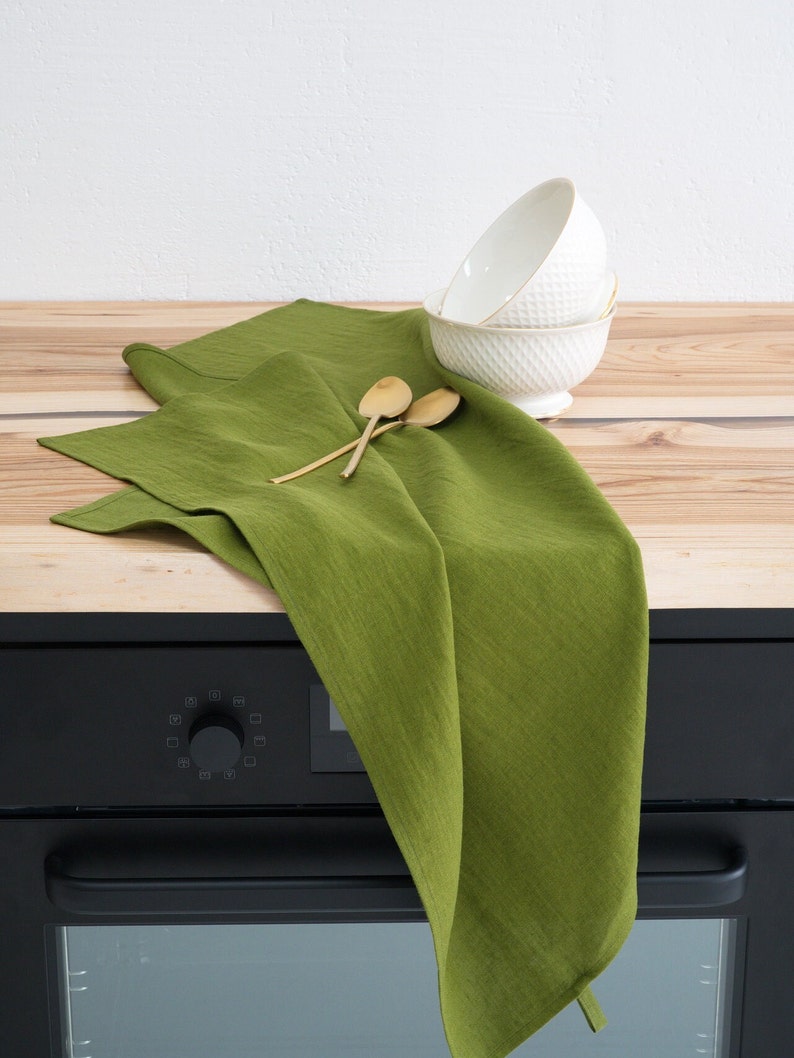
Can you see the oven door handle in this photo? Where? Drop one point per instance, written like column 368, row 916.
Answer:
column 330, row 895
column 336, row 894
column 660, row 889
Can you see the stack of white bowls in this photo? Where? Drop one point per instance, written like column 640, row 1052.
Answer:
column 528, row 312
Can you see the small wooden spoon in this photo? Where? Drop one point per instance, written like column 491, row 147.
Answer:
column 385, row 399
column 429, row 410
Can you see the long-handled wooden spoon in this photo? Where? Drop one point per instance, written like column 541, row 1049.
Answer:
column 429, row 410
column 385, row 399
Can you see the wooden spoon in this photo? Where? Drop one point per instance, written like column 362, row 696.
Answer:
column 385, row 399
column 429, row 410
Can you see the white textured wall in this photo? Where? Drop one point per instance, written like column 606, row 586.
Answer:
column 354, row 149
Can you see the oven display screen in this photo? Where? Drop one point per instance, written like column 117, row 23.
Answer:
column 332, row 748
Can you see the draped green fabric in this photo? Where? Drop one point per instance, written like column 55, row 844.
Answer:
column 473, row 605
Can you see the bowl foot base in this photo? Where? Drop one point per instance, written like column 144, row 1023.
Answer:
column 544, row 406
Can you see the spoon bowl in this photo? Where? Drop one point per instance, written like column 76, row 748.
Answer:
column 387, row 398
column 429, row 410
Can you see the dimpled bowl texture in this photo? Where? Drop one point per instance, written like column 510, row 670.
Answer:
column 540, row 264
column 532, row 368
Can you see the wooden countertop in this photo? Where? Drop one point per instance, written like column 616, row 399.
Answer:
column 687, row 426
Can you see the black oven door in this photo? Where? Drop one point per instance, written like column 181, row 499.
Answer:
column 301, row 935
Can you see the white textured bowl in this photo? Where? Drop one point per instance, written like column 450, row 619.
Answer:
column 532, row 368
column 540, row 264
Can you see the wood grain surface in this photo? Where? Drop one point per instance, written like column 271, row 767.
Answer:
column 687, row 426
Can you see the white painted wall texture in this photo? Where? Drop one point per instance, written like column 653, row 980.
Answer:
column 355, row 149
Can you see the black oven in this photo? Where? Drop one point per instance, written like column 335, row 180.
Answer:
column 193, row 862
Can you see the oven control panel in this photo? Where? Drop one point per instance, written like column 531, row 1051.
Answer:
column 215, row 735
column 111, row 726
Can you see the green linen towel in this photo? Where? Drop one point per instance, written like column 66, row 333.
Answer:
column 473, row 605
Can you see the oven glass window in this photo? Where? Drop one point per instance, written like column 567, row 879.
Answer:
column 321, row 990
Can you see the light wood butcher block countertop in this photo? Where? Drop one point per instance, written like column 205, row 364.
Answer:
column 687, row 426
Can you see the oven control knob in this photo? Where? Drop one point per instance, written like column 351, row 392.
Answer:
column 216, row 742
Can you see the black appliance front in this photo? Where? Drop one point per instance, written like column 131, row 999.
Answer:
column 192, row 860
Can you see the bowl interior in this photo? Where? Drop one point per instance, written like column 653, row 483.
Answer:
column 508, row 254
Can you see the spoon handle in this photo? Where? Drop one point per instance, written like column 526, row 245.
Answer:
column 363, row 441
column 335, row 455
